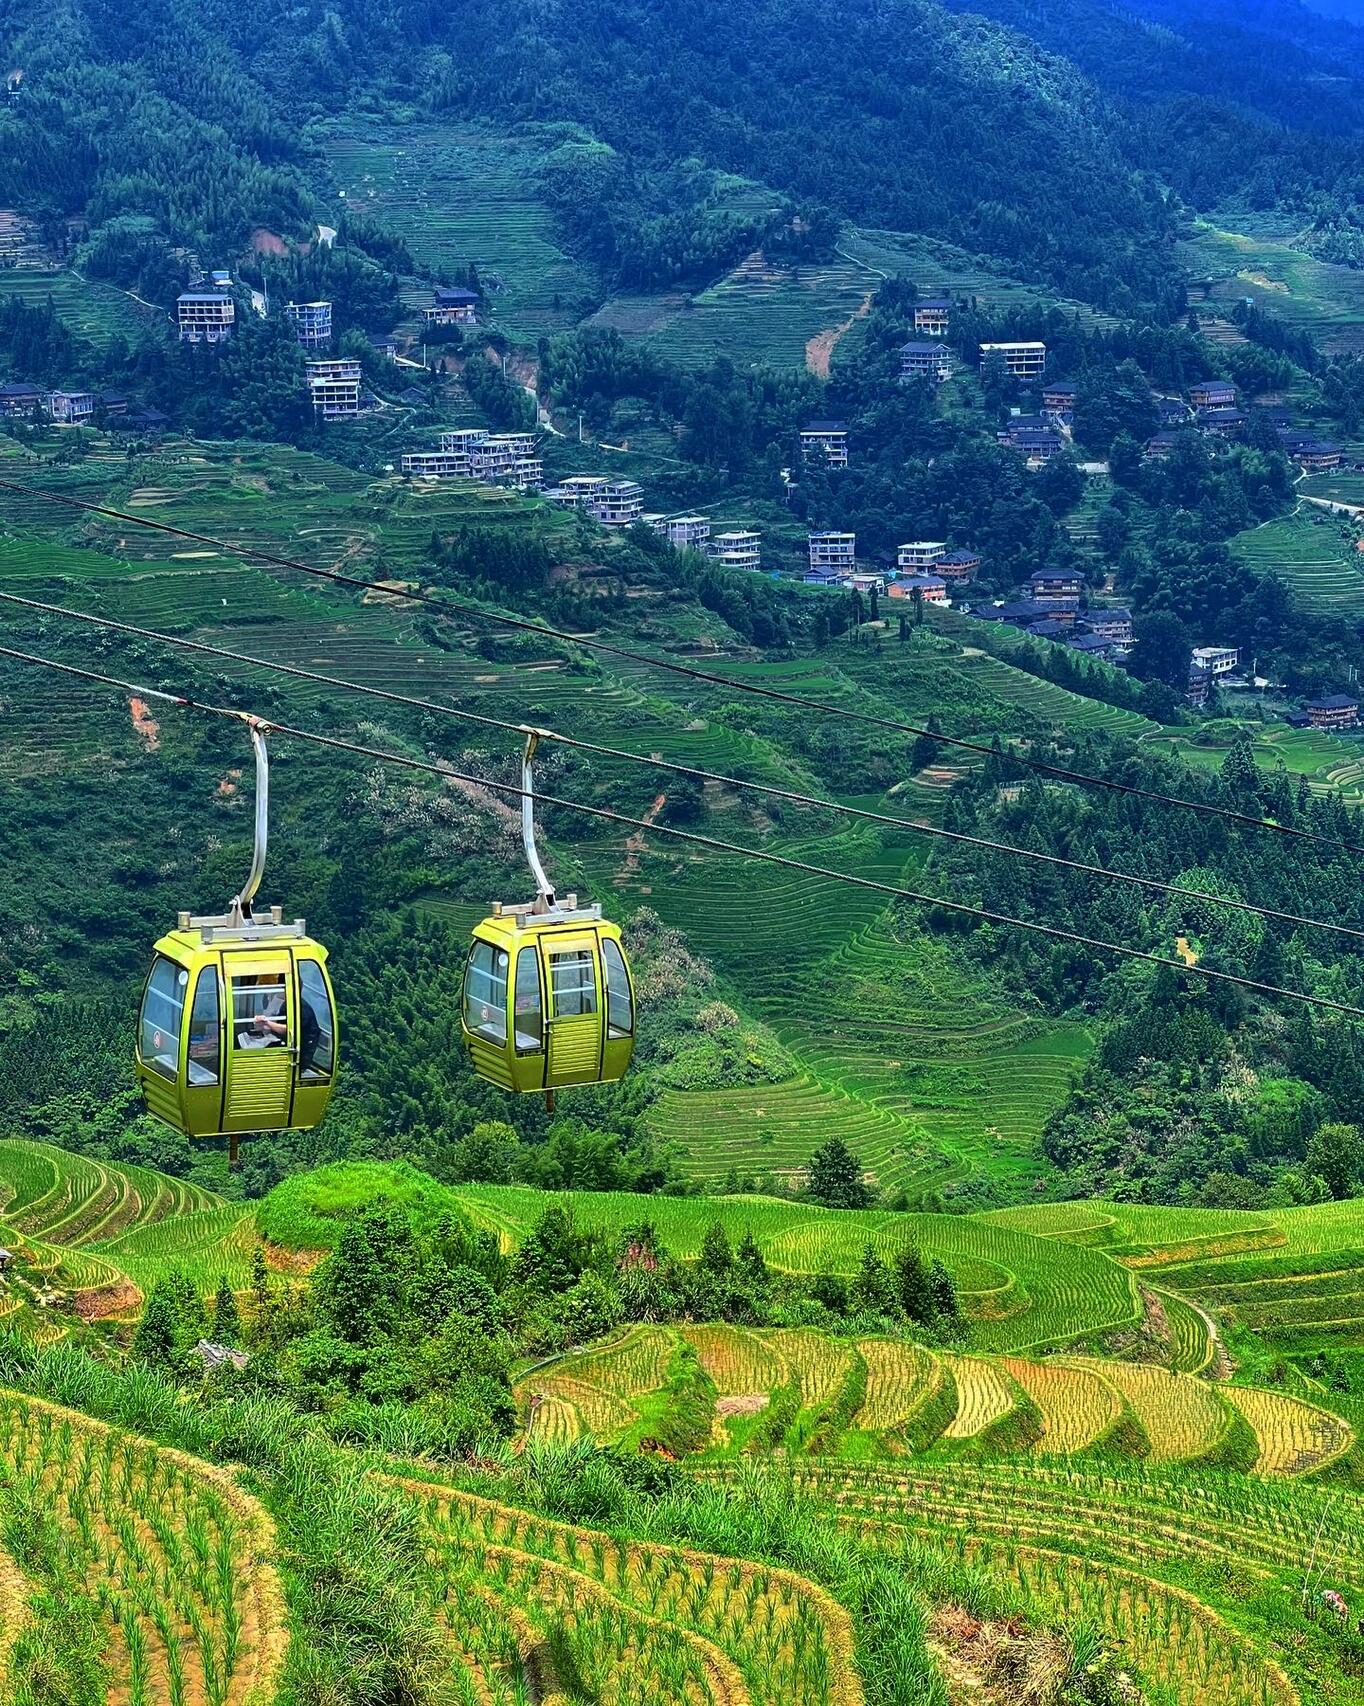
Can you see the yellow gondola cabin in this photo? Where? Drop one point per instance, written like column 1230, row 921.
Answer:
column 548, row 999
column 237, row 1028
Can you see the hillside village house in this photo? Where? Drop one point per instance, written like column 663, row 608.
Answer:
column 507, row 459
column 741, row 548
column 436, row 464
column 683, row 532
column 831, row 550
column 1158, row 446
column 1047, row 586
column 451, row 307
column 1036, row 445
column 1312, row 455
column 932, row 316
column 205, row 317
column 312, row 323
column 1223, row 423
column 925, row 361
column 1026, row 612
column 1024, row 360
column 958, row 565
column 1335, row 711
column 1213, row 394
column 830, row 579
column 383, row 343
column 1114, row 625
column 1058, row 398
column 1208, row 667
column 71, row 408
column 919, row 554
column 931, row 588
column 335, row 389
column 825, row 442
column 19, row 399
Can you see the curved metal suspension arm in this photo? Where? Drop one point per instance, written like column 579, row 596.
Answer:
column 242, row 904
column 544, row 888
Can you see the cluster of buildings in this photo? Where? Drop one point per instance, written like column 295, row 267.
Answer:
column 737, row 548
column 20, row 401
column 1054, row 608
column 923, row 567
column 1213, row 409
column 472, row 453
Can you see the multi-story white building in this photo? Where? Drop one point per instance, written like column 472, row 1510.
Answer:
column 312, row 323
column 436, row 464
column 738, row 549
column 620, row 505
column 833, row 551
column 683, row 532
column 826, row 443
column 70, row 407
column 919, row 554
column 929, row 361
column 577, row 490
column 507, row 459
column 1022, row 359
column 335, row 389
column 463, row 438
column 205, row 317
column 1214, row 661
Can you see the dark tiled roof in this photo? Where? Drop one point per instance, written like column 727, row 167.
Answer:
column 1333, row 702
column 825, row 426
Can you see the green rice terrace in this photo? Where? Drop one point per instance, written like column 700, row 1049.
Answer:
column 1313, row 552
column 1322, row 297
column 1030, row 1480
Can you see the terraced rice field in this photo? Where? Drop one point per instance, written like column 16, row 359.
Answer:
column 88, row 1225
column 176, row 1558
column 820, row 1364
column 900, row 1378
column 1325, row 299
column 715, row 1630
column 91, row 309
column 1313, row 553
column 456, row 194
column 1294, row 1435
column 986, row 1393
column 1182, row 1418
column 762, row 313
column 1077, row 1406
column 738, row 1361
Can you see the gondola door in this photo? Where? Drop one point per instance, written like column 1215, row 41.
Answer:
column 575, row 1019
column 262, row 1042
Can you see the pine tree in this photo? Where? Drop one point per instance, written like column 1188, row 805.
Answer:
column 872, row 1288
column 943, row 1289
column 836, row 1177
column 155, row 1340
column 912, row 1289
column 227, row 1324
column 717, row 1258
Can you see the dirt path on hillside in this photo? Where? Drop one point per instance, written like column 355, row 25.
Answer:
column 145, row 724
column 635, row 845
column 819, row 350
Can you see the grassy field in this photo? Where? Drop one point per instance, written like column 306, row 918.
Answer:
column 459, row 194
column 1020, row 1290
column 88, row 307
column 1314, row 553
column 1324, row 299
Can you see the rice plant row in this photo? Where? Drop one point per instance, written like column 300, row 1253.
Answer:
column 172, row 1555
column 771, row 1634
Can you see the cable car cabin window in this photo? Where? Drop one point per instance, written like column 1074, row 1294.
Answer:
column 316, row 1027
column 530, row 1014
column 204, row 1065
column 485, row 992
column 620, row 1017
column 573, row 978
column 163, row 1007
column 259, row 1011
